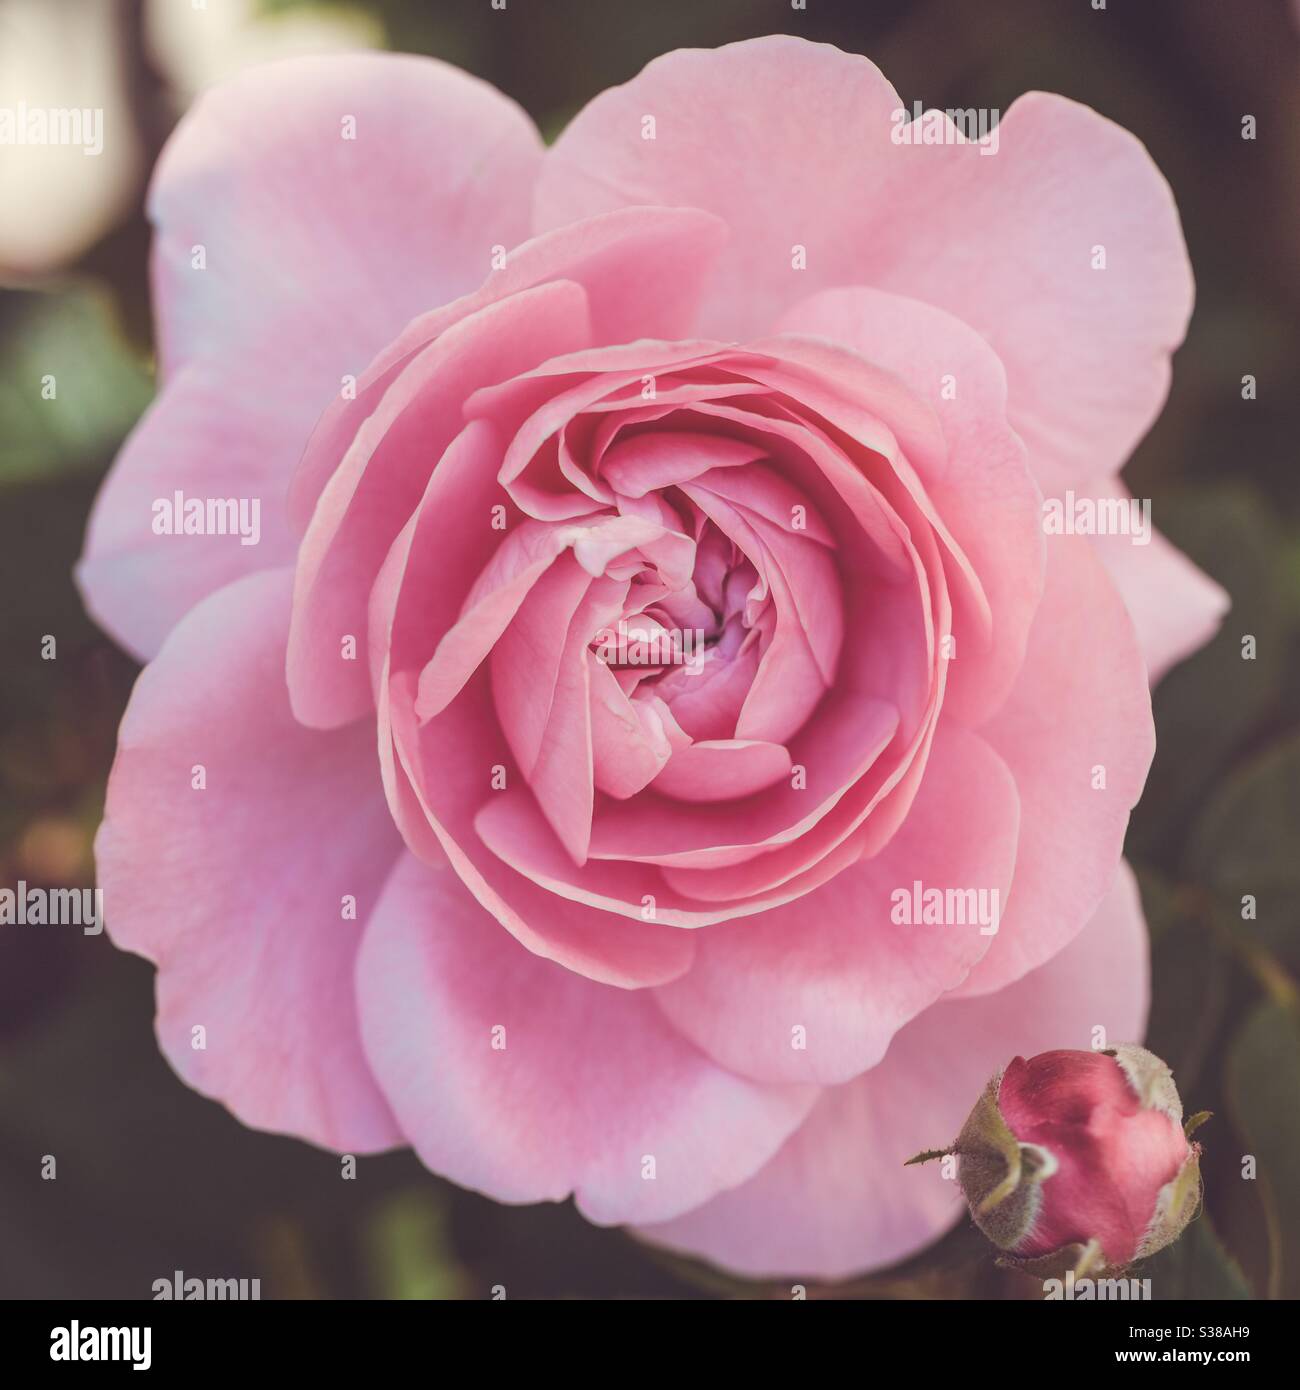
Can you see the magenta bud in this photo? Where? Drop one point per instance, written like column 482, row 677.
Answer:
column 1079, row 1160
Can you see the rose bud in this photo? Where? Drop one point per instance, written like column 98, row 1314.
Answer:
column 1079, row 1160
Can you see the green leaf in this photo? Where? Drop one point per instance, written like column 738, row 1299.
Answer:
column 1189, row 987
column 1160, row 903
column 1244, row 845
column 1195, row 1266
column 1207, row 706
column 1263, row 1076
column 1189, row 982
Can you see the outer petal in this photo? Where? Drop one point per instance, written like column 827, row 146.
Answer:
column 837, row 1198
column 791, row 143
column 783, row 138
column 235, row 891
column 1077, row 735
column 317, row 249
column 1086, row 348
column 518, row 1078
column 1175, row 608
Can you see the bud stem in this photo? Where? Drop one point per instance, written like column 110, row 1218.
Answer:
column 927, row 1154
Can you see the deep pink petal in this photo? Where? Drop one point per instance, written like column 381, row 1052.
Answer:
column 440, row 780
column 541, row 689
column 630, row 738
column 648, row 462
column 780, row 137
column 723, row 769
column 848, row 736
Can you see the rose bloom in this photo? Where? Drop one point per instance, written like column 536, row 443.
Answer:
column 420, row 807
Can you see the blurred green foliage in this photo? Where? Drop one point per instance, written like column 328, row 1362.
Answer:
column 1263, row 1083
column 152, row 1178
column 103, row 389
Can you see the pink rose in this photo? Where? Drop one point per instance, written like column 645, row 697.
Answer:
column 653, row 751
column 1078, row 1160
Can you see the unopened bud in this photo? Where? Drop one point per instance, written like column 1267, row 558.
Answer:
column 1079, row 1160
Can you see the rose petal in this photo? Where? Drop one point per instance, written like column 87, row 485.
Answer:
column 441, row 781
column 524, row 1081
column 244, row 913
column 385, row 471
column 835, row 963
column 1175, row 608
column 723, row 769
column 986, row 495
column 318, row 248
column 1080, row 710
column 792, row 143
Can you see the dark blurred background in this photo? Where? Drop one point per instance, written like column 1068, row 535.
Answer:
column 152, row 1178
